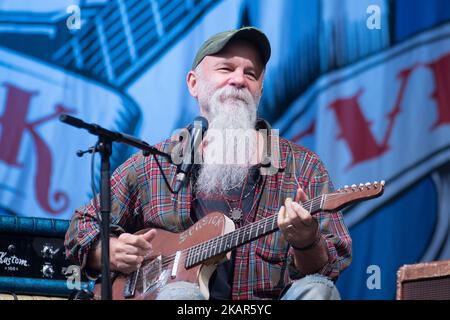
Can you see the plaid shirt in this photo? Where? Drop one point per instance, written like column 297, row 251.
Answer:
column 141, row 199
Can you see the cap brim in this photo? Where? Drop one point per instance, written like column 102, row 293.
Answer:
column 250, row 34
column 257, row 38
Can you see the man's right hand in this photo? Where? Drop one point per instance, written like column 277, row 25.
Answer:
column 128, row 251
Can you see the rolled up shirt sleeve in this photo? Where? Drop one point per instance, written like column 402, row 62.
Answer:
column 83, row 233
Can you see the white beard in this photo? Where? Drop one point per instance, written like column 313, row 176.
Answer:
column 228, row 154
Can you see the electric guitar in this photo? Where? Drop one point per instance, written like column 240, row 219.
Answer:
column 193, row 254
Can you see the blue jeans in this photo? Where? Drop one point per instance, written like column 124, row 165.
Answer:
column 312, row 287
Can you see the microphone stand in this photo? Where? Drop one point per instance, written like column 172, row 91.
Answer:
column 106, row 138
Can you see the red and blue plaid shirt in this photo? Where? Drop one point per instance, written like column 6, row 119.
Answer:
column 141, row 199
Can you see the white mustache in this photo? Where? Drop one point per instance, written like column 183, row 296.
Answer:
column 217, row 175
column 238, row 94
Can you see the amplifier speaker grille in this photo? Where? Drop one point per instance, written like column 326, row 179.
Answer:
column 424, row 281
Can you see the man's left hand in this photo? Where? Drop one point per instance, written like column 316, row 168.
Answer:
column 299, row 228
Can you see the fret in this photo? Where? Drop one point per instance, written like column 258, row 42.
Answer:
column 214, row 244
column 228, row 242
column 197, row 254
column 265, row 224
column 221, row 248
column 237, row 238
column 260, row 228
column 192, row 260
column 207, row 250
column 189, row 257
column 311, row 206
column 250, row 232
column 203, row 251
column 322, row 201
column 242, row 231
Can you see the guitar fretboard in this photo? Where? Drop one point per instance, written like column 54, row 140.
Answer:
column 220, row 245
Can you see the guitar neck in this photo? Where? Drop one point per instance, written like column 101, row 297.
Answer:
column 223, row 244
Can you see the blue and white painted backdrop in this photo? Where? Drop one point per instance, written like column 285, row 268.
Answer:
column 373, row 103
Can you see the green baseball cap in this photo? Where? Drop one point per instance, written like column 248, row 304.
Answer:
column 218, row 41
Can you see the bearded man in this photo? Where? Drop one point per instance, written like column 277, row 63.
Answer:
column 302, row 260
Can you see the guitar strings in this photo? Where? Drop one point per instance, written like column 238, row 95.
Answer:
column 204, row 247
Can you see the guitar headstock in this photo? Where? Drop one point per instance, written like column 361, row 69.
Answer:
column 350, row 194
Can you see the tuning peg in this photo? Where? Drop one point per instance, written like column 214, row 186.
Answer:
column 382, row 182
column 353, row 186
column 368, row 184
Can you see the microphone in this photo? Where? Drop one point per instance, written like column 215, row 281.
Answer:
column 196, row 131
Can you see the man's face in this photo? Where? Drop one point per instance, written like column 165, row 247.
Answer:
column 238, row 66
column 228, row 87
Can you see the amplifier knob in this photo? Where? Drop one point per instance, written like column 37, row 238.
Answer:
column 47, row 270
column 47, row 252
column 12, row 248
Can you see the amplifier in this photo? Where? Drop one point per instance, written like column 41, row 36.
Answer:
column 32, row 258
column 424, row 281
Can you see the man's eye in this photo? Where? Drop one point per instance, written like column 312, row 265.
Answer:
column 252, row 75
column 224, row 69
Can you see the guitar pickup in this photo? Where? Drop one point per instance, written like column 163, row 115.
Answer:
column 175, row 265
column 130, row 285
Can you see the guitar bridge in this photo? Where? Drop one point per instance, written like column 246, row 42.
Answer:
column 130, row 285
column 153, row 275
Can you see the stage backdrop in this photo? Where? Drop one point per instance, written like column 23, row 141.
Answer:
column 363, row 83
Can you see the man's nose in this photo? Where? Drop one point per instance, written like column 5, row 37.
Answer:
column 237, row 79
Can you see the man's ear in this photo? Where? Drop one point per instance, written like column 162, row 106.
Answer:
column 191, row 80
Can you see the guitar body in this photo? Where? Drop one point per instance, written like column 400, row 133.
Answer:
column 158, row 271
column 192, row 255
